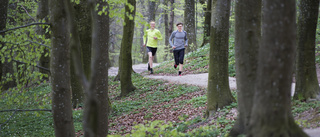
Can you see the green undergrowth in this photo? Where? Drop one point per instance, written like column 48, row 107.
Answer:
column 149, row 93
column 196, row 62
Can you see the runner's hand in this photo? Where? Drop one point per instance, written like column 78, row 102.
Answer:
column 144, row 45
column 155, row 38
column 173, row 47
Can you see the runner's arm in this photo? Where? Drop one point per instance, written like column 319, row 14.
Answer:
column 159, row 36
column 186, row 40
column 171, row 38
column 145, row 37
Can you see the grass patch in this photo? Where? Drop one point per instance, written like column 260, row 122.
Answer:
column 153, row 98
column 196, row 62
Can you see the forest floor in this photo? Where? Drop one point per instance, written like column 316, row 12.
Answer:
column 309, row 119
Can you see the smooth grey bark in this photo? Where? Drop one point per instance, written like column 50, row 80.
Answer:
column 271, row 113
column 219, row 94
column 126, row 55
column 189, row 24
column 307, row 85
column 101, row 46
column 247, row 41
column 60, row 71
column 207, row 23
column 97, row 103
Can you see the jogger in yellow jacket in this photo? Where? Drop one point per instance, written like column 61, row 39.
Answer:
column 150, row 39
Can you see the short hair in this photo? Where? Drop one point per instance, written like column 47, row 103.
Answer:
column 180, row 23
column 152, row 21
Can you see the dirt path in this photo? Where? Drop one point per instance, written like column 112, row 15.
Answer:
column 199, row 80
column 139, row 68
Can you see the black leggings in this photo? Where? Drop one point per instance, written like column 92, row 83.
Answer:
column 178, row 56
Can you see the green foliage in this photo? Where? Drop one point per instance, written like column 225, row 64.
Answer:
column 300, row 107
column 198, row 101
column 38, row 123
column 155, row 92
column 23, row 45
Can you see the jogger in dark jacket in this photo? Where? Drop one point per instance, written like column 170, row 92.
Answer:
column 178, row 41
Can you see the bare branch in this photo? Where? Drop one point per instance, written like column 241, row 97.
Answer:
column 43, row 68
column 31, row 42
column 24, row 110
column 7, row 120
column 39, row 44
column 31, row 24
column 28, row 13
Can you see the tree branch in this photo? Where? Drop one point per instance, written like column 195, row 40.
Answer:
column 43, row 68
column 38, row 23
column 24, row 110
column 39, row 44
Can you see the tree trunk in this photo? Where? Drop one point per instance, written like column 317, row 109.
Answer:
column 271, row 113
column 83, row 20
column 207, row 23
column 42, row 14
column 247, row 41
column 171, row 20
column 166, row 29
column 97, row 103
column 126, row 46
column 60, row 71
column 6, row 67
column 152, row 11
column 189, row 24
column 219, row 93
column 101, row 66
column 76, row 87
column 307, row 85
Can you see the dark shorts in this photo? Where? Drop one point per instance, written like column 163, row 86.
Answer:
column 152, row 50
column 178, row 56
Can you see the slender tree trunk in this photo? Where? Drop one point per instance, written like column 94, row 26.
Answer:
column 171, row 19
column 6, row 67
column 166, row 29
column 271, row 113
column 207, row 23
column 219, row 93
column 307, row 85
column 152, row 10
column 101, row 66
column 42, row 14
column 126, row 46
column 189, row 24
column 60, row 71
column 97, row 103
column 247, row 41
column 83, row 20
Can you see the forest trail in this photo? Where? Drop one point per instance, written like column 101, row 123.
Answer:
column 197, row 80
